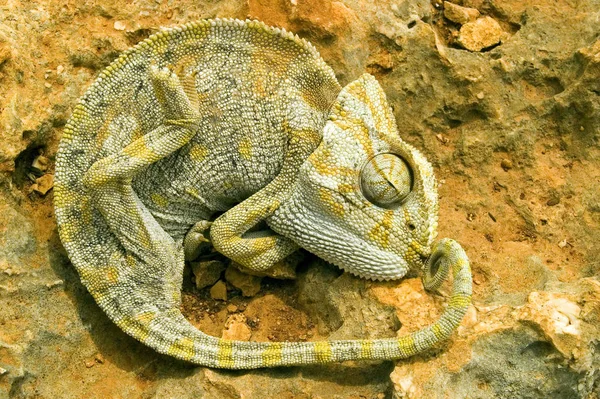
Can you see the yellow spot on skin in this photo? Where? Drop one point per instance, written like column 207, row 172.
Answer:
column 366, row 349
column 245, row 148
column 68, row 231
column 458, row 265
column 227, row 185
column 225, row 355
column 182, row 348
column 459, row 301
column 323, row 351
column 143, row 237
column 272, row 355
column 159, row 200
column 262, row 244
column 137, row 326
column 315, row 100
column 326, row 164
column 346, row 188
column 145, row 317
column 330, row 201
column 259, row 86
column 381, row 232
column 112, row 275
column 138, row 149
column 437, row 331
column 130, row 260
column 192, row 191
column 198, row 152
column 407, row 346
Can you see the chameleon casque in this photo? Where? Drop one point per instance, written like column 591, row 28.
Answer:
column 208, row 130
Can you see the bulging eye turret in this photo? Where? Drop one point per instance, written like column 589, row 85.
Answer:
column 386, row 180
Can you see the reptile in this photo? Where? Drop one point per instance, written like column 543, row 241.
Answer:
column 238, row 134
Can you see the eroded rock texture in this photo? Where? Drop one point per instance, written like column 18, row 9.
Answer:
column 508, row 113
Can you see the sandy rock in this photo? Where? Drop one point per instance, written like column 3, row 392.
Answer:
column 506, row 164
column 41, row 163
column 558, row 317
column 43, row 184
column 236, row 328
column 250, row 285
column 219, row 291
column 119, row 25
column 5, row 51
column 458, row 14
column 480, row 34
column 207, row 272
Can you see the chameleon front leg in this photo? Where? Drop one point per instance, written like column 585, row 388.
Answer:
column 197, row 239
column 261, row 250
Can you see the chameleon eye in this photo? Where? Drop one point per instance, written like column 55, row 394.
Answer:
column 386, row 180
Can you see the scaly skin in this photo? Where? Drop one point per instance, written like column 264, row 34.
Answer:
column 237, row 117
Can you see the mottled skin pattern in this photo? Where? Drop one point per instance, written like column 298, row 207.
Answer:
column 244, row 121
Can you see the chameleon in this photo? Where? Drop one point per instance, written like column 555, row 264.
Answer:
column 238, row 134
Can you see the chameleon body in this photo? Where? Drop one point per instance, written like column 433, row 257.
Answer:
column 210, row 130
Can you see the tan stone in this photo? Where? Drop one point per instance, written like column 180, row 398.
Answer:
column 207, row 273
column 458, row 14
column 219, row 291
column 236, row 328
column 43, row 184
column 41, row 163
column 249, row 285
column 480, row 34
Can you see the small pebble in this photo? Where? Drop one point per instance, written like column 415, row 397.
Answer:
column 3, row 371
column 40, row 163
column 55, row 283
column 119, row 25
column 249, row 285
column 219, row 291
column 99, row 358
column 90, row 363
column 480, row 34
column 553, row 201
column 231, row 308
column 458, row 14
column 43, row 184
column 441, row 138
column 506, row 164
column 236, row 328
column 206, row 273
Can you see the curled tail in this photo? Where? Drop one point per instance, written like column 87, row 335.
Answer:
column 170, row 333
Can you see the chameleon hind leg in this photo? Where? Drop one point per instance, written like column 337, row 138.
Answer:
column 153, row 259
column 232, row 234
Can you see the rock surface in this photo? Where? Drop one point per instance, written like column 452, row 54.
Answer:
column 458, row 14
column 207, row 272
column 513, row 134
column 480, row 34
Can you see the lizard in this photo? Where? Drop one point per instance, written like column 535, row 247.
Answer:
column 239, row 134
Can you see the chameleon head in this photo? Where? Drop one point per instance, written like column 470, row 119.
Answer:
column 364, row 200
